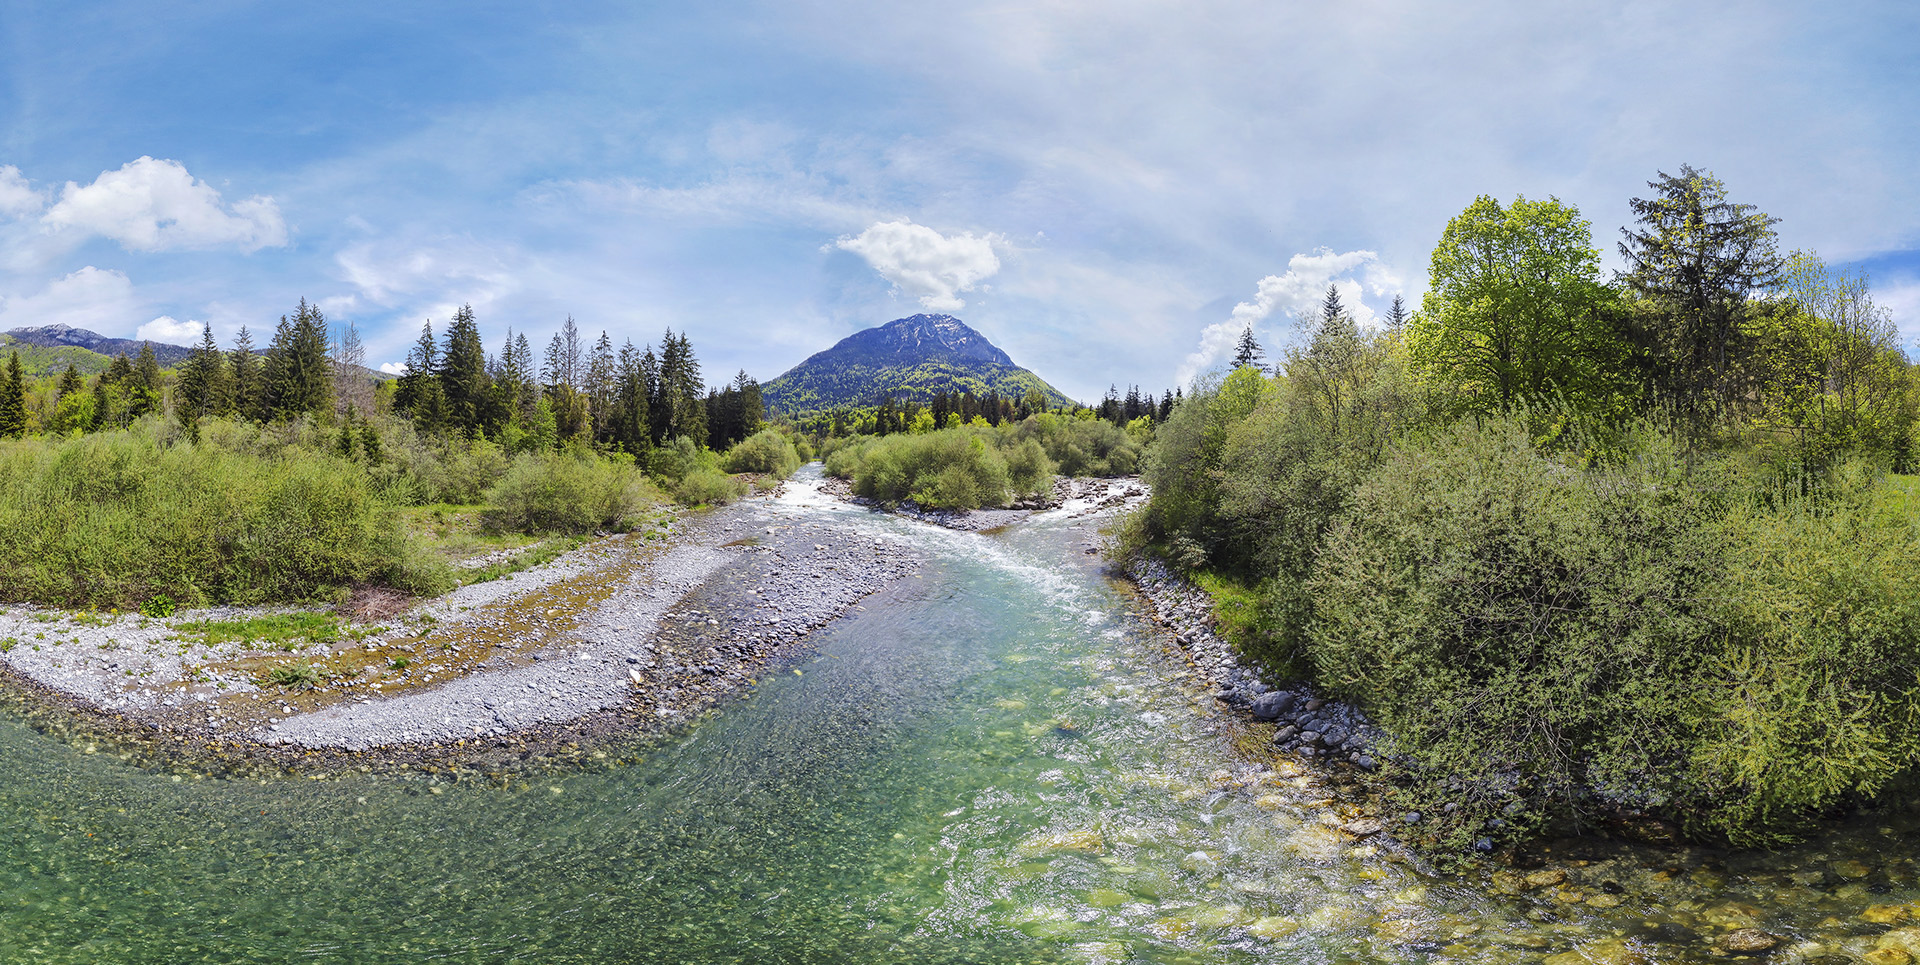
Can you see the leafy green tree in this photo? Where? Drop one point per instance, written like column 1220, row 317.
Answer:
column 1695, row 258
column 1515, row 311
column 13, row 400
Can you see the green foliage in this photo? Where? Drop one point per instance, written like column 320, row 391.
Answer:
column 1515, row 312
column 114, row 519
column 961, row 468
column 302, row 675
column 693, row 475
column 768, row 452
column 1536, row 631
column 569, row 492
column 284, row 631
column 1083, row 447
column 819, row 388
column 1815, row 683
column 158, row 606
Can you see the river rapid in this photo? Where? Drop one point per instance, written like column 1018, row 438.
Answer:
column 993, row 761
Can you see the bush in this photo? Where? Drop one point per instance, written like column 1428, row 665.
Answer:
column 1536, row 631
column 116, row 519
column 708, row 487
column 1815, row 692
column 568, row 492
column 767, row 452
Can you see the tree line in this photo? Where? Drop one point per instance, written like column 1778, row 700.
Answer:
column 632, row 400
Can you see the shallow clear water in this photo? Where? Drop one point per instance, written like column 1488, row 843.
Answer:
column 981, row 765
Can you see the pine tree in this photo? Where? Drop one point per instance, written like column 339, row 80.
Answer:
column 205, row 387
column 463, row 375
column 13, row 400
column 70, row 382
column 249, row 378
column 145, row 387
column 423, row 362
column 1247, row 351
column 629, row 428
column 298, row 372
column 1397, row 316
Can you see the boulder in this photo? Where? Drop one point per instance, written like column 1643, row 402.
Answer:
column 1272, row 705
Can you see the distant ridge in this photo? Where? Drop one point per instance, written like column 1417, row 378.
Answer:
column 55, row 336
column 914, row 358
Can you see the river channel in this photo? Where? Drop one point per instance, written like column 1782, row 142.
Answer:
column 991, row 762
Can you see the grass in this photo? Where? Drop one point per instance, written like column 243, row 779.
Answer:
column 279, row 631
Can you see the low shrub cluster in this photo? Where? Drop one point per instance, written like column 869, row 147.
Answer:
column 115, row 519
column 965, row 467
column 569, row 492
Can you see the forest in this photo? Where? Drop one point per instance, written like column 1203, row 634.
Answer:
column 1589, row 548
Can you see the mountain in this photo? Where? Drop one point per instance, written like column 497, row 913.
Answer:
column 912, row 358
column 57, row 336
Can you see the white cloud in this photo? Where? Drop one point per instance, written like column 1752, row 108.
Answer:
column 150, row 205
column 924, row 263
column 100, row 300
column 18, row 199
column 394, row 368
column 170, row 331
column 1300, row 291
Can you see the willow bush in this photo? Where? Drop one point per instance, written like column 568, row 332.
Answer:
column 115, row 519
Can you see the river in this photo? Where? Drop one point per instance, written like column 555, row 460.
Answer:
column 990, row 762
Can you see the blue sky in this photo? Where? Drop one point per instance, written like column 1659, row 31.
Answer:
column 1107, row 191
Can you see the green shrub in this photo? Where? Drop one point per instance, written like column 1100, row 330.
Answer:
column 707, row 487
column 1814, row 696
column 116, row 519
column 1534, row 630
column 768, row 452
column 568, row 492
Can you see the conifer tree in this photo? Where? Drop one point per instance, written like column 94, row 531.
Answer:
column 145, row 387
column 13, row 400
column 70, row 382
column 1247, row 351
column 249, row 381
column 423, row 362
column 1397, row 315
column 600, row 376
column 463, row 376
column 298, row 372
column 205, row 387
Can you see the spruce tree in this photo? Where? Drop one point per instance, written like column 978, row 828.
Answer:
column 70, row 382
column 13, row 400
column 1397, row 316
column 423, row 361
column 249, row 381
column 463, row 375
column 1247, row 352
column 145, row 387
column 204, row 384
column 298, row 371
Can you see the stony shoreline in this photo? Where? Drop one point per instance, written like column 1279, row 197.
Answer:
column 626, row 637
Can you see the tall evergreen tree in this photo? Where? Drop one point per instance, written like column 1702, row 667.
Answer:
column 145, row 389
column 249, row 379
column 70, row 382
column 205, row 388
column 1696, row 258
column 298, row 371
column 423, row 365
column 601, row 374
column 629, row 427
column 463, row 376
column 1397, row 315
column 1247, row 351
column 13, row 400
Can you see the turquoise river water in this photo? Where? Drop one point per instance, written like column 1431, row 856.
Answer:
column 988, row 763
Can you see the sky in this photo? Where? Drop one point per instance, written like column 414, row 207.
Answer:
column 1108, row 191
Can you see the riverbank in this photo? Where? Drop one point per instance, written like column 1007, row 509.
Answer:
column 625, row 636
